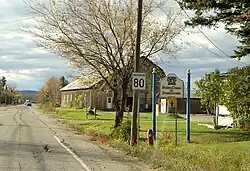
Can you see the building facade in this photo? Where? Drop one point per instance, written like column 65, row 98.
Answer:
column 97, row 95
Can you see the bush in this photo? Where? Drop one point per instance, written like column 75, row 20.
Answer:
column 244, row 123
column 122, row 132
column 78, row 102
column 165, row 138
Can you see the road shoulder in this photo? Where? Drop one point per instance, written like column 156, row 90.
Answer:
column 96, row 155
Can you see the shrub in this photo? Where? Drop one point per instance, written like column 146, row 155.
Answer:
column 165, row 138
column 244, row 123
column 78, row 102
column 122, row 132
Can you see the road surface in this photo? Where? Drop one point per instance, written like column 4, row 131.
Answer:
column 32, row 141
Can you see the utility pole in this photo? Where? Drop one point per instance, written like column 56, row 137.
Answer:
column 137, row 69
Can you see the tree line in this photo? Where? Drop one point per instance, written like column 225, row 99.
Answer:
column 50, row 91
column 8, row 93
column 231, row 89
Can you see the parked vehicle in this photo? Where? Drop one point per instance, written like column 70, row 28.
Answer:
column 27, row 103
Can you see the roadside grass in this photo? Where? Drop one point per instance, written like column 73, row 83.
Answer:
column 80, row 114
column 209, row 150
column 199, row 134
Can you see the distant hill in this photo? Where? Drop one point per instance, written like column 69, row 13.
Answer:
column 28, row 94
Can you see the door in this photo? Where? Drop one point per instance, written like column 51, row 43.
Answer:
column 109, row 103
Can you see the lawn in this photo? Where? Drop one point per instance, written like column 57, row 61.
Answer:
column 209, row 150
column 200, row 134
column 80, row 114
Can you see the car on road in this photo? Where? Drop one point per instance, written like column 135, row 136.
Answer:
column 27, row 103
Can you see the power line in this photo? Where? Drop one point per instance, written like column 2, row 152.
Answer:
column 203, row 32
column 183, row 29
column 16, row 20
column 208, row 38
column 8, row 27
column 199, row 44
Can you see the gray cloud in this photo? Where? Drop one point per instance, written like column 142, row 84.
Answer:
column 200, row 60
column 11, row 9
column 28, row 66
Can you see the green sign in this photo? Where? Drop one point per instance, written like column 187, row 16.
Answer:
column 46, row 99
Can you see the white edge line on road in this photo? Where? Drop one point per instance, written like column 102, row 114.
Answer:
column 73, row 154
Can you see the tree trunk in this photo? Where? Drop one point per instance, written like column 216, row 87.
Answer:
column 120, row 103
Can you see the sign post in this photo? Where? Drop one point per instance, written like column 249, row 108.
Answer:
column 86, row 108
column 176, row 129
column 172, row 88
column 154, row 103
column 138, row 84
column 188, row 107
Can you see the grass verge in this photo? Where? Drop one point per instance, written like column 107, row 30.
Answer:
column 80, row 114
column 210, row 150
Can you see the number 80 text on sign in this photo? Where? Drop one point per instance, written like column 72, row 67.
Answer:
column 139, row 81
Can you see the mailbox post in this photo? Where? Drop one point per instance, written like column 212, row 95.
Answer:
column 150, row 137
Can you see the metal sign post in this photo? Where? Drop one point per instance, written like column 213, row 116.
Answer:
column 176, row 124
column 86, row 108
column 154, row 103
column 188, row 107
column 138, row 120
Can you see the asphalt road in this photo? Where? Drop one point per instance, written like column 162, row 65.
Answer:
column 32, row 141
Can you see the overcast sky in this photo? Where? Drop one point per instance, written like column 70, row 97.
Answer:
column 27, row 66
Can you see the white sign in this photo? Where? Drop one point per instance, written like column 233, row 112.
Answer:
column 172, row 86
column 139, row 81
column 163, row 105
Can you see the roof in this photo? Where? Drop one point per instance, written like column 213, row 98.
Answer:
column 144, row 59
column 79, row 84
column 89, row 82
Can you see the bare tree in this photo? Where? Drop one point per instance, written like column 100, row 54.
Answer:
column 98, row 37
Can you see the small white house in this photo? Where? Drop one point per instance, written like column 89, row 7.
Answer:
column 224, row 118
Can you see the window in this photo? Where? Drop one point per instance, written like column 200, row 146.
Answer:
column 67, row 98
column 71, row 98
column 109, row 99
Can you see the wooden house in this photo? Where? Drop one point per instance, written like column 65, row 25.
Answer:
column 96, row 94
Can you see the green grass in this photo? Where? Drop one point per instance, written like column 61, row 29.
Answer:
column 199, row 134
column 209, row 150
column 80, row 114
